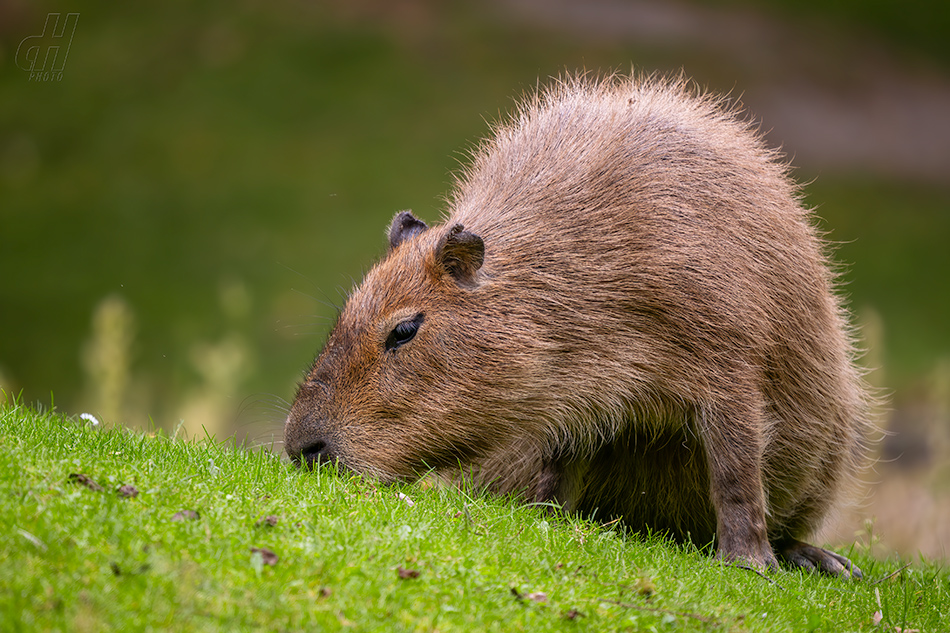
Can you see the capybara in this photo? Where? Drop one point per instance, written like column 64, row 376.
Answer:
column 627, row 312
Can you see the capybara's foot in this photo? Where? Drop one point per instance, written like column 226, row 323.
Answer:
column 768, row 562
column 752, row 553
column 799, row 554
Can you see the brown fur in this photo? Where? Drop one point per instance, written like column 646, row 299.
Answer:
column 626, row 311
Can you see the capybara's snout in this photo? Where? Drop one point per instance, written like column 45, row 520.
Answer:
column 307, row 439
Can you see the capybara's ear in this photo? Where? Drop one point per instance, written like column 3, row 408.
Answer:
column 404, row 226
column 461, row 254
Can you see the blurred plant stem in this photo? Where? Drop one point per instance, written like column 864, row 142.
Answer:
column 222, row 366
column 106, row 359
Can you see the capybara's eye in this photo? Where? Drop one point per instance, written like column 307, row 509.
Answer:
column 404, row 332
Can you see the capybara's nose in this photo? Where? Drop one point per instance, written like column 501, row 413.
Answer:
column 316, row 453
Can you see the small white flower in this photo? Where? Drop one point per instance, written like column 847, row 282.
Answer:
column 405, row 498
column 90, row 418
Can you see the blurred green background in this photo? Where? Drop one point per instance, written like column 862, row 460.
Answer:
column 182, row 207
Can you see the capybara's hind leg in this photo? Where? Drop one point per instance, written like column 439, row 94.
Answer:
column 799, row 554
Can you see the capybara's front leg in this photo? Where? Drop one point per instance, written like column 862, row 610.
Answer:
column 734, row 455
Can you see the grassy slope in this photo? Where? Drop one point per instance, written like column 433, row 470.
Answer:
column 77, row 559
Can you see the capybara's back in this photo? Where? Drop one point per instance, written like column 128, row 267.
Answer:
column 627, row 311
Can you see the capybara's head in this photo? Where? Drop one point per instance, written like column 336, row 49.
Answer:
column 404, row 363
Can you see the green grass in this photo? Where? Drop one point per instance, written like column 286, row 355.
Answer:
column 77, row 559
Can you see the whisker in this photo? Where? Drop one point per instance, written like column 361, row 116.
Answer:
column 259, row 421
